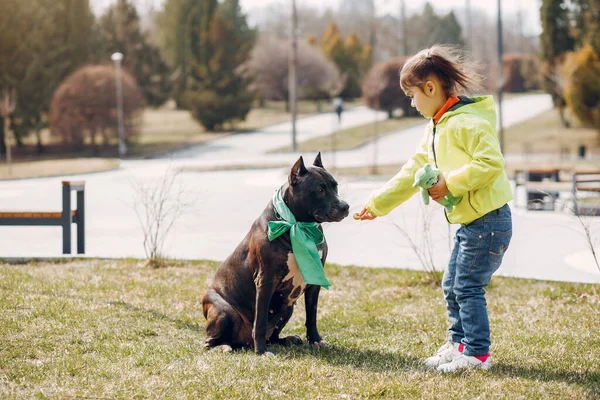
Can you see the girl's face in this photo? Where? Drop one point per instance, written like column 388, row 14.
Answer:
column 429, row 99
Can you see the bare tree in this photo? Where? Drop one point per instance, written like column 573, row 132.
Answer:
column 158, row 205
column 268, row 67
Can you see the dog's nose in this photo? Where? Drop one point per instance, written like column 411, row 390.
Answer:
column 345, row 207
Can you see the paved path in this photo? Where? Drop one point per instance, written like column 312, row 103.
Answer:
column 546, row 245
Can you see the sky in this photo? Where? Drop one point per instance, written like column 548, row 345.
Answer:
column 530, row 9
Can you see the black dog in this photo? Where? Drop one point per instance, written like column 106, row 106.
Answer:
column 253, row 293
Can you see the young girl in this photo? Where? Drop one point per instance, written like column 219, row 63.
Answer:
column 461, row 141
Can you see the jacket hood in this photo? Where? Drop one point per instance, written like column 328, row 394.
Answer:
column 481, row 106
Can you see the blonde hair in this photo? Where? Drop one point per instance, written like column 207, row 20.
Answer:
column 451, row 65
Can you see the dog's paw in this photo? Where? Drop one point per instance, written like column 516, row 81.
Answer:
column 224, row 348
column 268, row 354
column 319, row 345
column 293, row 340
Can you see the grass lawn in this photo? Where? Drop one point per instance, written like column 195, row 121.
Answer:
column 545, row 134
column 70, row 166
column 117, row 329
column 354, row 137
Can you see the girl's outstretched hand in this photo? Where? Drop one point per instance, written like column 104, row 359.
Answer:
column 364, row 215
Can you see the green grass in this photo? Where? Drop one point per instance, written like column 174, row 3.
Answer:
column 69, row 166
column 117, row 329
column 545, row 134
column 353, row 137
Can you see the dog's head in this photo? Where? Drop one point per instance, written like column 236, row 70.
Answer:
column 313, row 194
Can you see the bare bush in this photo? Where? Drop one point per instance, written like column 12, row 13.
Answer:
column 84, row 107
column 158, row 205
column 423, row 244
column 268, row 68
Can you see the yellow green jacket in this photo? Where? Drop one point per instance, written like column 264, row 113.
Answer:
column 465, row 147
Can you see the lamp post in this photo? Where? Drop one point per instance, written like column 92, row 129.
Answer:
column 500, row 77
column 117, row 58
column 292, row 71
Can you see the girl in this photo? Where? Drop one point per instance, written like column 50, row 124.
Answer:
column 461, row 141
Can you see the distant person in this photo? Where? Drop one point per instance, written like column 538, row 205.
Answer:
column 338, row 106
column 460, row 141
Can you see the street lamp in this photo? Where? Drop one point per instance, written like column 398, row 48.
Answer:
column 293, row 60
column 117, row 58
column 500, row 76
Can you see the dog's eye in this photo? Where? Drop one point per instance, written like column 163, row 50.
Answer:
column 320, row 190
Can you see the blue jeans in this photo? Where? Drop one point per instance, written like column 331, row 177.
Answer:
column 478, row 251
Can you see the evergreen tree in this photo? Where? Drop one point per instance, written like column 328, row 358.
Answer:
column 587, row 23
column 219, row 44
column 555, row 39
column 176, row 23
column 120, row 31
column 555, row 42
column 429, row 28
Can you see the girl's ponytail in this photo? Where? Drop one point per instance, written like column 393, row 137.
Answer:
column 449, row 64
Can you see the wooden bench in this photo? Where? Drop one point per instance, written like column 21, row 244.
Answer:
column 544, row 186
column 587, row 183
column 62, row 218
column 540, row 185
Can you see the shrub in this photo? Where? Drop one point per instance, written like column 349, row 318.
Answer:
column 581, row 74
column 521, row 73
column 85, row 106
column 381, row 88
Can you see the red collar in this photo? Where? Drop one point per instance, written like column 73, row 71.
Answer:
column 452, row 100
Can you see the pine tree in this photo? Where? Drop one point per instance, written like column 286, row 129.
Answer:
column 120, row 31
column 555, row 42
column 176, row 24
column 555, row 39
column 218, row 46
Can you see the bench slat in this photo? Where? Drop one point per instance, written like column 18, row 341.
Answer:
column 33, row 214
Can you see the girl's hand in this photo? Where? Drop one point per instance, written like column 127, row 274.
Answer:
column 439, row 190
column 364, row 215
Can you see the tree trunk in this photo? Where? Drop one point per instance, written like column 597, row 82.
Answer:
column 2, row 144
column 38, row 135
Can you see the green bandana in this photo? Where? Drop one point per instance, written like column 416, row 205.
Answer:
column 304, row 236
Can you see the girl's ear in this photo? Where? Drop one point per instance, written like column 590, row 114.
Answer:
column 429, row 88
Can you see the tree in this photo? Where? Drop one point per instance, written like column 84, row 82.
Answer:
column 381, row 87
column 120, row 31
column 581, row 71
column 586, row 23
column 429, row 28
column 555, row 41
column 44, row 42
column 175, row 23
column 15, row 35
column 84, row 107
column 268, row 68
column 216, row 91
column 350, row 55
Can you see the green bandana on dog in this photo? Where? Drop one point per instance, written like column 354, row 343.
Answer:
column 304, row 236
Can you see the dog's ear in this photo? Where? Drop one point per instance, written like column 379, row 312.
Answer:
column 298, row 170
column 318, row 162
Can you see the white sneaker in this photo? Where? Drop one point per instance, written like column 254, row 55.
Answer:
column 445, row 354
column 465, row 362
